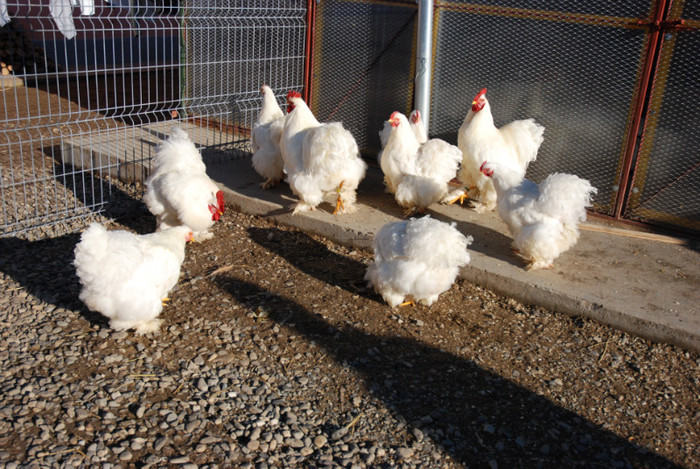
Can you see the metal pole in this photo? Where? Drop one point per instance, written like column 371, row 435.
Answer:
column 424, row 60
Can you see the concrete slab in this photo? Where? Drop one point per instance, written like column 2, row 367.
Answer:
column 125, row 152
column 643, row 286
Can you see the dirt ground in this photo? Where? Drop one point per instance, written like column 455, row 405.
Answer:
column 486, row 362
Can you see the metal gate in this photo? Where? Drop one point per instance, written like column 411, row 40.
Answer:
column 90, row 89
column 614, row 83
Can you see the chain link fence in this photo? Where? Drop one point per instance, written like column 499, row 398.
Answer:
column 666, row 183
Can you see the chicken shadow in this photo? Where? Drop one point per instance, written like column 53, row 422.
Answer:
column 475, row 415
column 314, row 259
column 32, row 263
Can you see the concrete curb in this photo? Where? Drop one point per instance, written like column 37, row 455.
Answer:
column 640, row 286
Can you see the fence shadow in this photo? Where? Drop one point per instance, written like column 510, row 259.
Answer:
column 476, row 416
column 102, row 194
column 32, row 263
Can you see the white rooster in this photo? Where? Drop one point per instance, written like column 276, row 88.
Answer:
column 515, row 144
column 319, row 158
column 265, row 139
column 127, row 277
column 418, row 174
column 417, row 126
column 417, row 260
column 179, row 192
column 543, row 219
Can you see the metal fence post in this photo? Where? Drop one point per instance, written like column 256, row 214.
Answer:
column 424, row 60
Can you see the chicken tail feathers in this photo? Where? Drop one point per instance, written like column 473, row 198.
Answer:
column 566, row 196
column 418, row 191
column 525, row 136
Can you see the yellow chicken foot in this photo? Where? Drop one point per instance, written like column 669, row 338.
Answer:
column 339, row 202
column 164, row 301
column 408, row 303
column 461, row 198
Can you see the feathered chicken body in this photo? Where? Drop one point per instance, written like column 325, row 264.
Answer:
column 543, row 219
column 418, row 174
column 515, row 144
column 417, row 126
column 416, row 260
column 179, row 192
column 126, row 277
column 265, row 140
column 319, row 158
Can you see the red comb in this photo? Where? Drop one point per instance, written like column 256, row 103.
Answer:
column 393, row 115
column 415, row 116
column 220, row 201
column 293, row 94
column 480, row 94
column 482, row 166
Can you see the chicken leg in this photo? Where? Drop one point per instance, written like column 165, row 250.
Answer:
column 339, row 201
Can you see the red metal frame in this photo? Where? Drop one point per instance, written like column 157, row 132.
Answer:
column 641, row 104
column 309, row 49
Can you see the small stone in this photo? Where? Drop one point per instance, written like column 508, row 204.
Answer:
column 320, row 441
column 405, row 453
column 305, row 451
column 202, row 385
column 160, row 443
column 418, row 434
column 339, row 433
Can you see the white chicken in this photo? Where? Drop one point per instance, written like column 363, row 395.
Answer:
column 417, row 260
column 543, row 219
column 515, row 144
column 127, row 277
column 417, row 174
column 319, row 158
column 179, row 192
column 265, row 139
column 417, row 126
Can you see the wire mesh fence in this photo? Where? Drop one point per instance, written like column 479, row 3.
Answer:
column 102, row 81
column 575, row 72
column 667, row 172
column 363, row 65
column 90, row 89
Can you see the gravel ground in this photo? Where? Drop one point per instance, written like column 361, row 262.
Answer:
column 273, row 353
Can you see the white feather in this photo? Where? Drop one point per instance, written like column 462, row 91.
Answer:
column 179, row 192
column 125, row 276
column 265, row 140
column 417, row 259
column 515, row 144
column 319, row 159
column 418, row 174
column 544, row 219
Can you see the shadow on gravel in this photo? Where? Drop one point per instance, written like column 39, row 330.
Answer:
column 477, row 416
column 314, row 259
column 45, row 270
column 473, row 414
column 98, row 193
